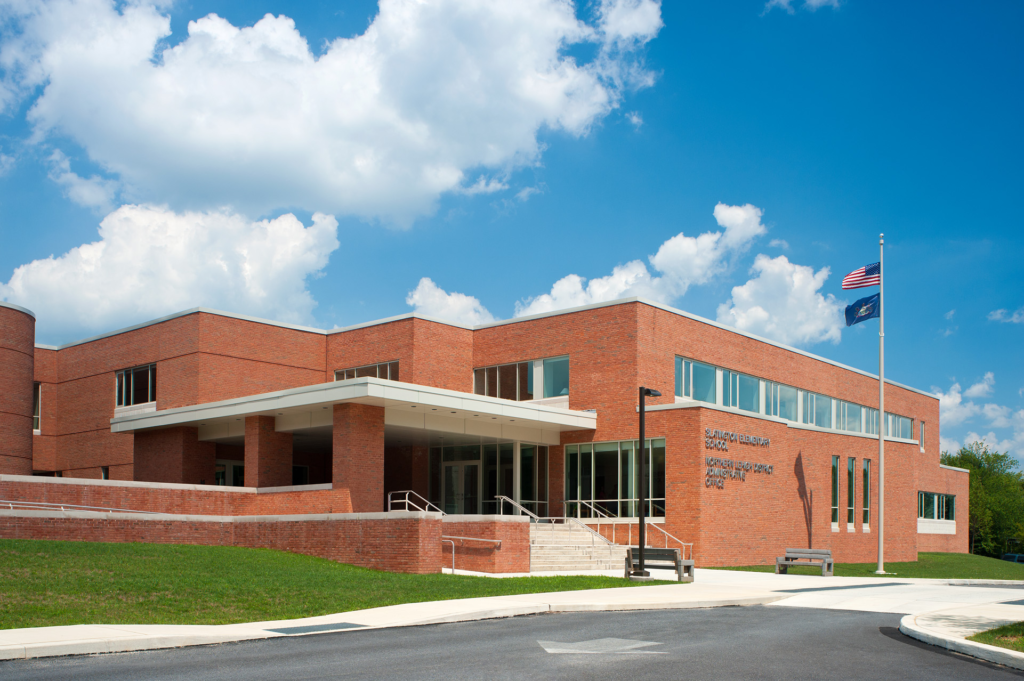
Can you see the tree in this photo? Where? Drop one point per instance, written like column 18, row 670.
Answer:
column 996, row 496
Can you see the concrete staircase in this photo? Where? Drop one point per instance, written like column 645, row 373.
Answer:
column 570, row 547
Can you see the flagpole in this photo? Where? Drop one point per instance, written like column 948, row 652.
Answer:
column 881, row 404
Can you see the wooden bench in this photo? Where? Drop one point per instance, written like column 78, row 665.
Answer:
column 660, row 558
column 798, row 557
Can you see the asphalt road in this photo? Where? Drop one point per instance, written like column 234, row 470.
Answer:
column 722, row 643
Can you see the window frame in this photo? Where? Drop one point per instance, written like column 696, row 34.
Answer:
column 37, row 407
column 835, row 491
column 124, row 386
column 482, row 380
column 377, row 365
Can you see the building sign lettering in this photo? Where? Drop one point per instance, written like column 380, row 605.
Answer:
column 719, row 469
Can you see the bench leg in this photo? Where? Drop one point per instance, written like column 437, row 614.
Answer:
column 628, row 566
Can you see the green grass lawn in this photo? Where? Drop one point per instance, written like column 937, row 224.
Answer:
column 47, row 583
column 928, row 565
column 1009, row 636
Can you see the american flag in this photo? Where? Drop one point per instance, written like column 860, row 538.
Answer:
column 869, row 275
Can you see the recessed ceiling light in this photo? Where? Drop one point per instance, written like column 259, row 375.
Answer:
column 453, row 412
column 414, row 406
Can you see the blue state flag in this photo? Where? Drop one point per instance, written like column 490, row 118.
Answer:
column 865, row 308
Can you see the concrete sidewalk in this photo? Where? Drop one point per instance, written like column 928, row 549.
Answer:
column 939, row 612
column 97, row 638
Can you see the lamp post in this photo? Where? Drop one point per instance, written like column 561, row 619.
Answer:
column 644, row 393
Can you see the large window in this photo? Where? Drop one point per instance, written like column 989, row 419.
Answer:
column 556, row 377
column 36, row 404
column 866, row 492
column 601, row 479
column 818, row 410
column 136, row 386
column 741, row 391
column 899, row 426
column 932, row 506
column 695, row 380
column 849, row 417
column 388, row 370
column 507, row 381
column 835, row 490
column 870, row 421
column 781, row 401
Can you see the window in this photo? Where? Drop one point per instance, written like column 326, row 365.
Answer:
column 866, row 491
column 932, row 506
column 507, row 381
column 835, row 490
column 136, row 386
column 781, row 401
column 104, row 472
column 870, row 421
column 851, row 467
column 849, row 417
column 388, row 370
column 899, row 426
column 818, row 410
column 601, row 479
column 922, row 436
column 36, row 400
column 741, row 391
column 556, row 377
column 704, row 383
column 696, row 381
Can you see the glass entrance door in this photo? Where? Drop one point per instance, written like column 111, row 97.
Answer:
column 462, row 487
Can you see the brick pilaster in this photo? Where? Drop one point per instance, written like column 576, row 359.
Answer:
column 359, row 455
column 268, row 453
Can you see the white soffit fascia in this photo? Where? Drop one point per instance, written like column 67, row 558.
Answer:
column 404, row 403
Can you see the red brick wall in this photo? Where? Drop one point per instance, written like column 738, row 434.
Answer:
column 17, row 362
column 359, row 454
column 371, row 345
column 442, row 356
column 512, row 556
column 206, row 500
column 268, row 454
column 409, row 545
column 173, row 455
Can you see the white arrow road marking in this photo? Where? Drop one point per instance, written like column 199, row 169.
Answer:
column 601, row 645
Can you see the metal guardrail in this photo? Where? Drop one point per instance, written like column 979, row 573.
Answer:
column 606, row 518
column 56, row 506
column 453, row 552
column 424, row 506
column 534, row 518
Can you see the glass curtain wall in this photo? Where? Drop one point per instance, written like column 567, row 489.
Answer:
column 466, row 479
column 601, row 479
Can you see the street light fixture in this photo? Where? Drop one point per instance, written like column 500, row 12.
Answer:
column 644, row 393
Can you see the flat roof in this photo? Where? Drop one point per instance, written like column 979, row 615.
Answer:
column 478, row 327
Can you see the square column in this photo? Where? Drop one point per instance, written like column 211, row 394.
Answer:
column 268, row 453
column 359, row 455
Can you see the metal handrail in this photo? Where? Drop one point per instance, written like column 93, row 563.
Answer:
column 489, row 541
column 675, row 539
column 534, row 518
column 501, row 499
column 406, row 502
column 596, row 509
column 50, row 505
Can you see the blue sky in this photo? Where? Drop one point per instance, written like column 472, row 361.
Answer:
column 317, row 171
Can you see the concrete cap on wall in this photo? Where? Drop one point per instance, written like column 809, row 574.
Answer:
column 19, row 308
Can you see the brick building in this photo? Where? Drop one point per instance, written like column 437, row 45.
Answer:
column 752, row 447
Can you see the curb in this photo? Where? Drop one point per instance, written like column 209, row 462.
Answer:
column 1003, row 656
column 138, row 643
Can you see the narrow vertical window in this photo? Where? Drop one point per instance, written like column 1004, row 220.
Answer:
column 922, row 436
column 851, row 464
column 104, row 473
column 866, row 487
column 679, row 376
column 36, row 399
column 835, row 490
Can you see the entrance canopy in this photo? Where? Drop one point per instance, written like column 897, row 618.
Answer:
column 408, row 408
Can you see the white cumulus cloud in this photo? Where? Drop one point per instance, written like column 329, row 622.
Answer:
column 1007, row 317
column 431, row 300
column 953, row 410
column 783, row 302
column 682, row 261
column 380, row 125
column 92, row 192
column 151, row 261
column 789, row 5
column 983, row 387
